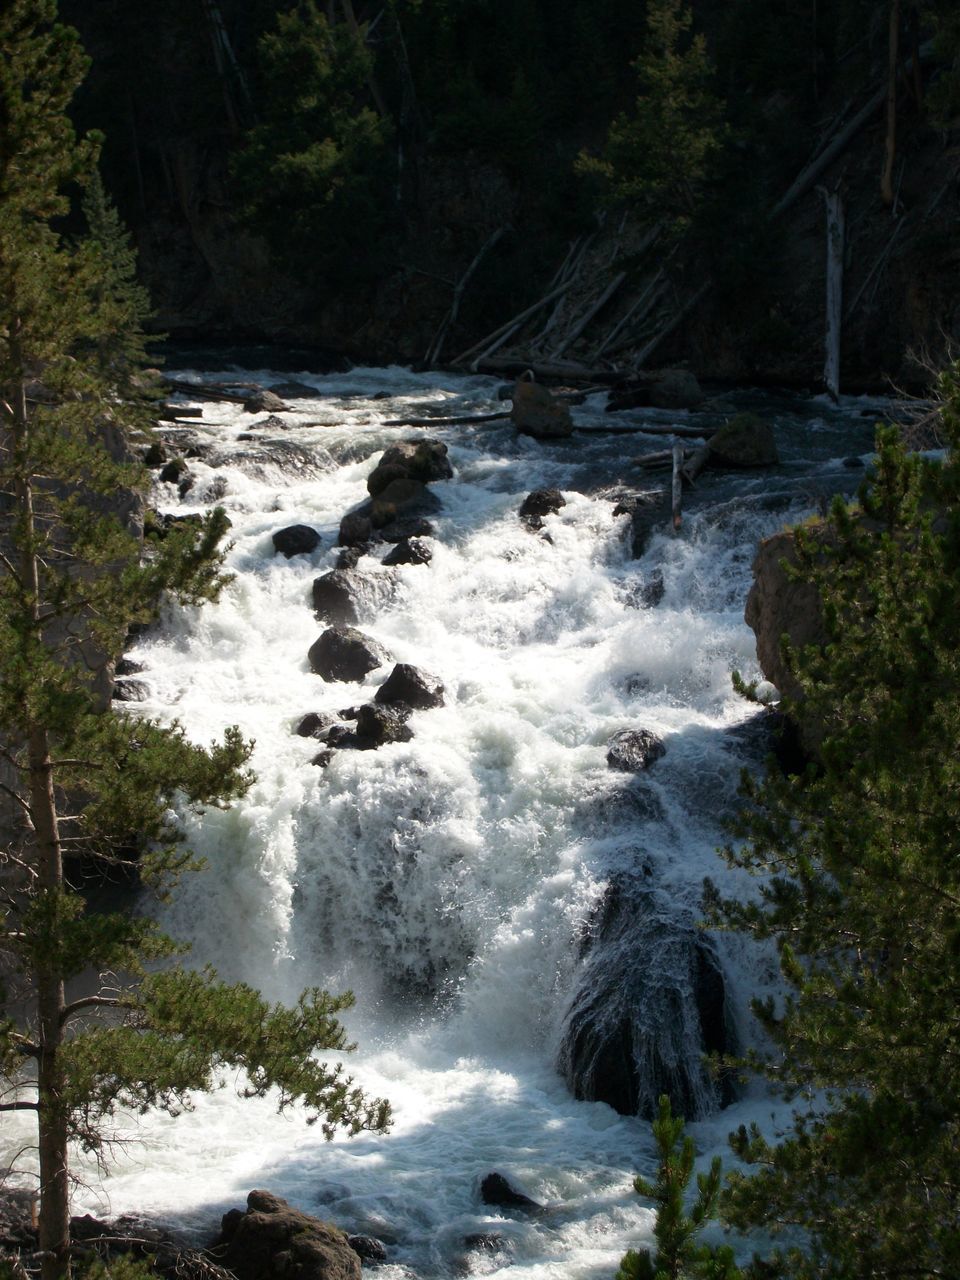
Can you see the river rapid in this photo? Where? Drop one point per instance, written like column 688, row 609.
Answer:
column 452, row 882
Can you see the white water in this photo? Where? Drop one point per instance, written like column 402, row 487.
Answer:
column 448, row 881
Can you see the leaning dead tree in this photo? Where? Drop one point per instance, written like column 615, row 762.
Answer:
column 834, row 302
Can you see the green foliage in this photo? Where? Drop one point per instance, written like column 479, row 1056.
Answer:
column 316, row 176
column 660, row 157
column 679, row 1256
column 90, row 783
column 861, row 887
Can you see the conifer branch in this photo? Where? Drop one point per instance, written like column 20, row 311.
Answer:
column 89, row 1002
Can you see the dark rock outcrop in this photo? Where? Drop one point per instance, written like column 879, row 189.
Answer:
column 404, row 527
column 356, row 529
column 334, row 597
column 263, row 402
column 378, row 725
column 174, row 471
column 540, row 503
column 368, row 1249
column 633, row 750
column 345, row 654
column 649, row 1003
column 408, row 551
column 536, row 412
column 315, row 724
column 422, row 460
column 130, row 691
column 644, row 510
column 273, row 1241
column 744, row 441
column 675, row 389
column 296, row 540
column 409, row 686
column 496, row 1190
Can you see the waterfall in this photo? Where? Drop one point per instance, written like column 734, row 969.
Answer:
column 518, row 921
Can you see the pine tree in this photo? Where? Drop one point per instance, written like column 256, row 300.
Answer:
column 86, row 783
column 659, row 158
column 861, row 890
column 679, row 1256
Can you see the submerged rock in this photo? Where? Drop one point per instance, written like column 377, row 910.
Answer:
column 540, row 503
column 345, row 654
column 649, row 1003
column 273, row 1241
column 296, row 540
column 633, row 750
column 496, row 1190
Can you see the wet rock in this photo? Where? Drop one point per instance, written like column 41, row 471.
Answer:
column 406, row 527
column 273, row 1241
column 356, row 530
column 345, row 654
column 368, row 1248
column 675, row 389
column 296, row 540
column 293, row 391
column 263, row 402
column 323, row 758
column 127, row 667
column 350, row 557
column 744, row 441
column 633, row 750
column 423, row 460
column 314, row 724
column 412, row 687
column 649, row 1002
column 644, row 510
column 496, row 1190
column 378, row 725
column 408, row 551
column 272, row 423
column 174, row 471
column 653, row 590
column 130, row 691
column 537, row 413
column 484, row 1242
column 156, row 455
column 402, row 498
column 334, row 597
column 539, row 503
column 630, row 398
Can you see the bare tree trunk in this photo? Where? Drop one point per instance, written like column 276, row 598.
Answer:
column 893, row 60
column 834, row 306
column 51, row 1117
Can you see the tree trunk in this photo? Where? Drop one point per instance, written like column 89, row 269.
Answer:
column 834, row 301
column 893, row 61
column 51, row 1116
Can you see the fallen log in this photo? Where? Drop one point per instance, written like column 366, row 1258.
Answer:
column 456, row 421
column 696, row 463
column 582, row 323
column 559, row 370
column 171, row 412
column 663, row 458
column 498, row 336
column 674, row 323
column 647, row 429
column 211, row 390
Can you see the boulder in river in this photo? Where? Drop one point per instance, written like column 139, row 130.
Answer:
column 402, row 497
column 644, row 510
column 273, row 1241
column 403, row 527
column 294, row 391
column 422, row 460
column 378, row 725
column 345, row 654
column 335, row 597
column 410, row 686
column 296, row 540
column 649, row 1002
column 368, row 1249
column 263, row 401
column 408, row 551
column 496, row 1190
column 744, row 441
column 540, row 503
column 633, row 750
column 537, row 413
column 675, row 389
column 314, row 724
column 130, row 691
column 356, row 529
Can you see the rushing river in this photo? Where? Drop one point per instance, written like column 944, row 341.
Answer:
column 450, row 881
